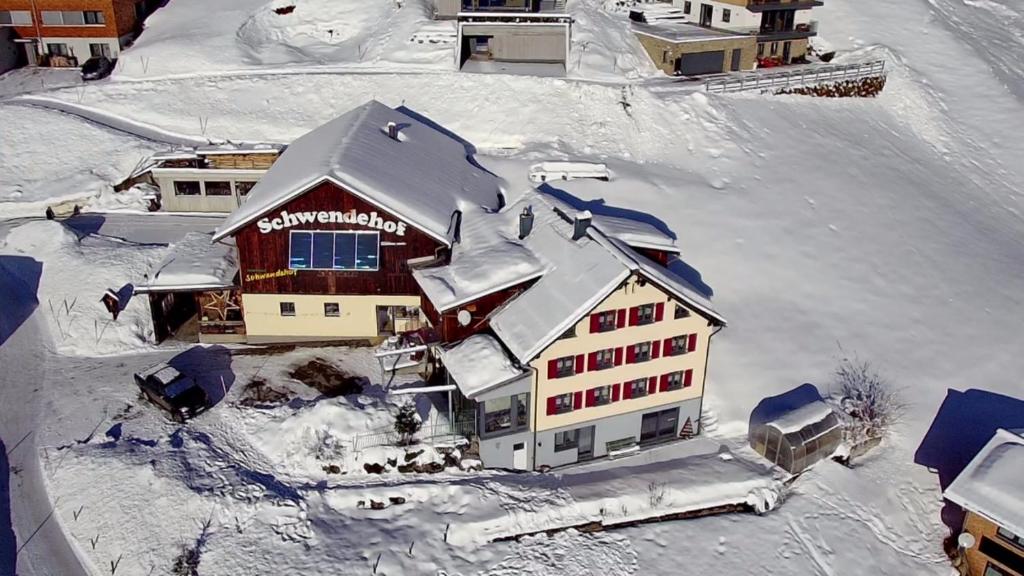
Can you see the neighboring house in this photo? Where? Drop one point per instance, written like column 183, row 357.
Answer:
column 69, row 32
column 510, row 35
column 10, row 55
column 680, row 48
column 991, row 491
column 781, row 28
column 214, row 178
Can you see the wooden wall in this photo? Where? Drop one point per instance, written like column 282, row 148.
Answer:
column 268, row 253
column 447, row 323
column 242, row 161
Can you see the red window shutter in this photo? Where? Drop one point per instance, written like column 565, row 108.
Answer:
column 552, row 369
column 577, row 400
column 591, row 361
column 634, row 316
column 688, row 379
column 627, row 390
column 659, row 311
column 693, row 343
column 618, row 356
column 615, row 392
column 664, row 382
column 579, row 363
column 621, row 320
column 666, row 347
column 630, row 354
column 652, row 385
column 655, row 349
column 551, row 405
column 590, row 397
column 595, row 323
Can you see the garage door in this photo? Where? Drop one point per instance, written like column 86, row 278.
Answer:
column 702, row 63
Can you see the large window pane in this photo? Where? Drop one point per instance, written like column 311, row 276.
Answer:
column 498, row 414
column 52, row 18
column 302, row 245
column 73, row 18
column 212, row 188
column 366, row 251
column 345, row 251
column 323, row 250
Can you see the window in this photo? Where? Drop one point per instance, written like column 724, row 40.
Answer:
column 603, row 321
column 72, row 18
column 99, row 50
column 334, row 250
column 687, row 7
column 243, row 188
column 604, row 359
column 760, row 50
column 645, row 314
column 677, row 380
column 218, row 188
column 332, row 309
column 287, row 308
column 679, row 345
column 636, row 388
column 59, row 50
column 560, row 404
column 186, row 188
column 601, row 395
column 642, row 352
column 775, row 48
column 507, row 414
column 568, row 440
column 1010, row 537
column 682, row 312
column 15, row 18
column 570, row 333
column 993, row 570
column 565, row 367
column 726, row 14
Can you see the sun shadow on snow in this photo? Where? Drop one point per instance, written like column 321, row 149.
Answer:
column 210, row 367
column 83, row 225
column 600, row 207
column 19, row 285
column 965, row 422
column 466, row 144
column 8, row 542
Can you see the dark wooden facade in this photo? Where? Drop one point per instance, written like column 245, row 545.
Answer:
column 447, row 324
column 260, row 253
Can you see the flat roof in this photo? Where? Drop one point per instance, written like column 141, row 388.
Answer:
column 992, row 485
column 684, row 32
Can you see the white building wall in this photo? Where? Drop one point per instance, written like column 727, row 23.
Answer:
column 740, row 19
column 79, row 47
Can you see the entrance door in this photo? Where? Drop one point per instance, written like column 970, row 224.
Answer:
column 519, row 456
column 655, row 426
column 707, row 12
column 736, row 55
column 585, row 444
column 385, row 321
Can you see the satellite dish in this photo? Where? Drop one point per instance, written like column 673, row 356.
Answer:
column 464, row 317
column 966, row 540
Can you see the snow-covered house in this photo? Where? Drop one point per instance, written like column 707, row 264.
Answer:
column 679, row 47
column 782, row 28
column 328, row 237
column 573, row 337
column 991, row 490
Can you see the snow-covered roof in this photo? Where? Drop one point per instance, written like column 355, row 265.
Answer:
column 478, row 364
column 991, row 485
column 634, row 232
column 240, row 148
column 424, row 176
column 802, row 417
column 680, row 32
column 194, row 263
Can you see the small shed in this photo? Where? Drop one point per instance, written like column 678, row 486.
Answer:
column 796, row 429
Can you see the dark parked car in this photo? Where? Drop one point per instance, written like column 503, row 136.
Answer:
column 173, row 391
column 96, row 68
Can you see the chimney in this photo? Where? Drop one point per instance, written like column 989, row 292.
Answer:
column 580, row 223
column 526, row 222
column 392, row 130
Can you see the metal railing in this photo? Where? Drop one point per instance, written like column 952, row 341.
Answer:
column 809, row 75
column 434, row 432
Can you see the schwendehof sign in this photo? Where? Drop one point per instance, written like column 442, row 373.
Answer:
column 288, row 219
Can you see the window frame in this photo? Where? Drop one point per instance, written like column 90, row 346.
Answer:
column 645, row 314
column 607, row 321
column 637, row 348
column 103, row 49
column 334, row 246
column 994, row 570
column 606, row 396
column 282, row 306
column 178, row 183
column 246, row 184
column 519, row 420
column 570, row 333
column 98, row 15
column 682, row 350
column 680, row 376
column 566, row 445
column 206, row 188
column 687, row 7
column 602, row 362
column 336, row 313
column 640, row 384
column 726, row 15
column 561, row 371
column 681, row 312
column 10, row 16
column 1010, row 538
column 563, row 403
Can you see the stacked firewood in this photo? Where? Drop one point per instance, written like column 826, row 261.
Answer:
column 863, row 88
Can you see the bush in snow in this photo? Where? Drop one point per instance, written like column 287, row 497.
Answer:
column 870, row 404
column 407, row 423
column 327, row 447
column 187, row 562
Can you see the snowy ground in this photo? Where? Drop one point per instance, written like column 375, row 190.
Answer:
column 890, row 228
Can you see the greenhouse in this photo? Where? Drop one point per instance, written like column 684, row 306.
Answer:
column 796, row 429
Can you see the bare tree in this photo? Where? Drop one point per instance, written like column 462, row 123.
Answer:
column 871, row 405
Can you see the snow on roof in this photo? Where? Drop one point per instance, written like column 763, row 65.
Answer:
column 802, row 417
column 424, row 176
column 194, row 263
column 636, row 233
column 479, row 364
column 680, row 32
column 991, row 485
column 240, row 148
